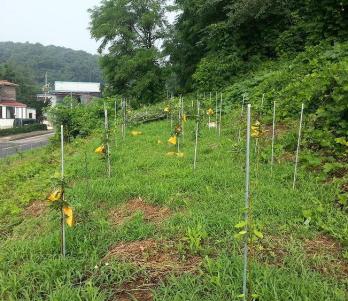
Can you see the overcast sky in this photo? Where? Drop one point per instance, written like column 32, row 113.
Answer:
column 49, row 22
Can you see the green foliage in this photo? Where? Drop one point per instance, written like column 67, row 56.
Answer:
column 129, row 30
column 208, row 202
column 22, row 76
column 24, row 129
column 195, row 236
column 249, row 32
column 78, row 120
column 60, row 63
column 318, row 78
column 214, row 71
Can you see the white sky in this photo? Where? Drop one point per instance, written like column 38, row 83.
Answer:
column 49, row 22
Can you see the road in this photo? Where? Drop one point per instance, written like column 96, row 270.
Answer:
column 12, row 147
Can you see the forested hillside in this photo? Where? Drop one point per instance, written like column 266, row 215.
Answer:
column 210, row 45
column 215, row 42
column 26, row 65
column 60, row 63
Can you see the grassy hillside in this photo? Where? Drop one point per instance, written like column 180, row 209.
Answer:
column 316, row 77
column 157, row 230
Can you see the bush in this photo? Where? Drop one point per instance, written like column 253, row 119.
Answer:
column 78, row 120
column 215, row 70
column 24, row 129
column 316, row 77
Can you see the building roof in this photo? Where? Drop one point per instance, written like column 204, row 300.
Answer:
column 12, row 103
column 7, row 83
column 77, row 87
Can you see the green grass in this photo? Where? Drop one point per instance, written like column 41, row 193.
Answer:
column 209, row 200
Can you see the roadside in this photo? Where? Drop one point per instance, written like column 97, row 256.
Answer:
column 11, row 145
column 24, row 135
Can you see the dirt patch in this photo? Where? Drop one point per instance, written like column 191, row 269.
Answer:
column 326, row 256
column 152, row 213
column 287, row 157
column 138, row 289
column 36, row 209
column 272, row 251
column 157, row 260
column 322, row 254
column 323, row 245
column 280, row 130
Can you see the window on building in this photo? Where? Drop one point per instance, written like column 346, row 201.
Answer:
column 30, row 115
column 0, row 112
column 10, row 112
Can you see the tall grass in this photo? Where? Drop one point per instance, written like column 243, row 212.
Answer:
column 209, row 200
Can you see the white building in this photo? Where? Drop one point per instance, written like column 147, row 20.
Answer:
column 84, row 92
column 10, row 108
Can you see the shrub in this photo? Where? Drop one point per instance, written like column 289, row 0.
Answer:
column 78, row 120
column 24, row 129
column 318, row 78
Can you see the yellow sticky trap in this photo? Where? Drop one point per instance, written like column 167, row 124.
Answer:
column 68, row 212
column 184, row 118
column 166, row 110
column 256, row 131
column 172, row 140
column 136, row 133
column 255, row 134
column 100, row 150
column 55, row 195
column 210, row 112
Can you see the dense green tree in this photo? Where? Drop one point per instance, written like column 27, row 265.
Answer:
column 27, row 88
column 213, row 41
column 20, row 75
column 130, row 32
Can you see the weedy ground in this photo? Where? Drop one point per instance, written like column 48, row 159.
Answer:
column 157, row 230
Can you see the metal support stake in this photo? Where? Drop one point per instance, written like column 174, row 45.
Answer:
column 216, row 111
column 273, row 135
column 220, row 115
column 63, row 247
column 298, row 147
column 107, row 140
column 197, row 131
column 246, row 214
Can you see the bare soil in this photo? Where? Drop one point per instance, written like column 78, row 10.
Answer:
column 152, row 213
column 323, row 254
column 272, row 251
column 280, row 130
column 326, row 255
column 157, row 259
column 35, row 209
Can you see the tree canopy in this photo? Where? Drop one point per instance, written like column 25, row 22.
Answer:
column 213, row 41
column 130, row 33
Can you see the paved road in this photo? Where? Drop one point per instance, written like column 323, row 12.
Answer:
column 12, row 147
